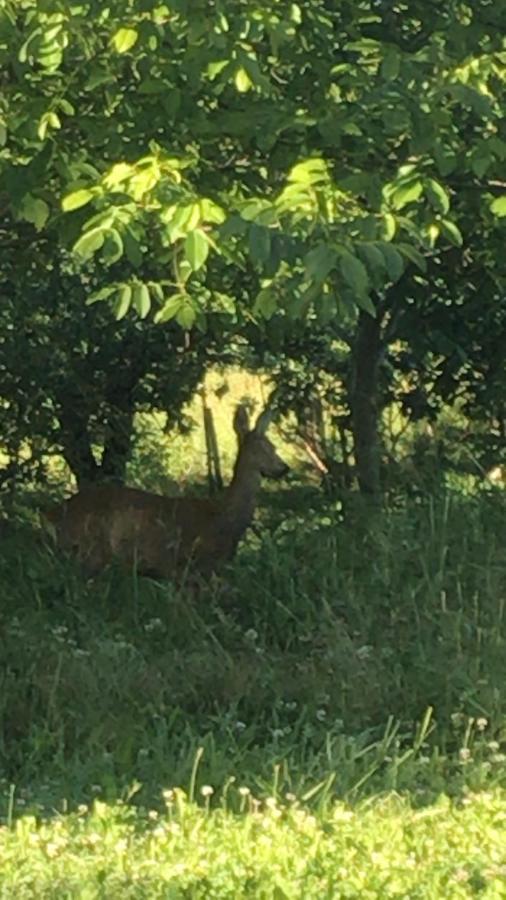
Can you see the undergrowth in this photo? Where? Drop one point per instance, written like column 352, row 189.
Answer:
column 363, row 651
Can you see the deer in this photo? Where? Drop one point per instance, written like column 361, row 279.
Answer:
column 159, row 536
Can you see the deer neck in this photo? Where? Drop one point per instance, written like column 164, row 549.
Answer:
column 239, row 498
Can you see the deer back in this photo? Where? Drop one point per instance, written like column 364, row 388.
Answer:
column 156, row 535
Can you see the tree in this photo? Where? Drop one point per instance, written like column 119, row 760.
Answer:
column 315, row 161
column 72, row 377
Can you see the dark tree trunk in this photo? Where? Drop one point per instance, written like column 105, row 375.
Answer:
column 364, row 402
column 117, row 445
column 110, row 412
column 78, row 453
column 76, row 442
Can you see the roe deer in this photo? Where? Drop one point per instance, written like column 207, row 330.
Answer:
column 162, row 535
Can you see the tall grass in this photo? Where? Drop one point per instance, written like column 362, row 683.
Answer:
column 344, row 654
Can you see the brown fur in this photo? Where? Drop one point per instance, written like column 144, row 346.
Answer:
column 160, row 535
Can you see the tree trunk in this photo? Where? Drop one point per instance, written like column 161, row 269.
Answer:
column 364, row 402
column 117, row 445
column 76, row 443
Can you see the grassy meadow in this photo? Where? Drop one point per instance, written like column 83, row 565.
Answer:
column 327, row 720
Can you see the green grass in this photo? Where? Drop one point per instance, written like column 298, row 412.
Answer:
column 383, row 849
column 352, row 657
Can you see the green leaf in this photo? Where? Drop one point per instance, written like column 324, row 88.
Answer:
column 113, row 246
column 51, row 33
column 250, row 65
column 54, row 120
column 394, row 261
column 48, row 120
column 446, row 159
column 143, row 181
column 295, row 197
column 432, row 232
column 242, row 80
column 268, row 217
column 89, row 243
column 325, row 307
column 413, row 255
column 23, row 53
column 183, row 219
column 373, row 257
column 184, row 271
column 406, row 193
column 319, row 262
column 481, row 163
column 295, row 13
column 391, row 64
column 298, row 305
column 211, row 212
column 103, row 219
column 141, row 300
column 77, row 199
column 132, row 248
column 452, row 232
column 311, row 171
column 34, row 210
column 51, row 59
column 364, row 302
column 196, row 247
column 266, row 303
column 102, row 294
column 498, row 206
column 250, row 209
column 97, row 78
column 117, row 174
column 124, row 39
column 170, row 308
column 365, row 45
column 66, row 107
column 223, row 303
column 214, row 68
column 156, row 291
column 186, row 315
column 437, row 196
column 122, row 304
column 43, row 126
column 389, row 226
column 259, row 242
column 354, row 272
column 153, row 86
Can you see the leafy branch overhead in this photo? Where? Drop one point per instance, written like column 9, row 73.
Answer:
column 318, row 151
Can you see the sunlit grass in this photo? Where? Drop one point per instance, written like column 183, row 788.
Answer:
column 274, row 848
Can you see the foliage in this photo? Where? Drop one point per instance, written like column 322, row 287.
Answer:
column 321, row 149
column 242, row 168
column 81, row 375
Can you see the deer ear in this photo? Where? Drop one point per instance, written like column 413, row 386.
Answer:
column 263, row 421
column 241, row 421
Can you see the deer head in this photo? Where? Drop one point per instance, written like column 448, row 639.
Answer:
column 256, row 452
